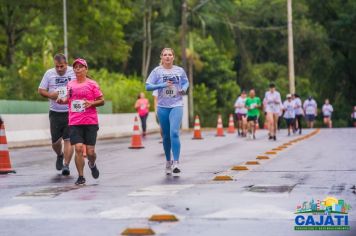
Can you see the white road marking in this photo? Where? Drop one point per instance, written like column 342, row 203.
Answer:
column 17, row 211
column 254, row 212
column 139, row 210
column 160, row 190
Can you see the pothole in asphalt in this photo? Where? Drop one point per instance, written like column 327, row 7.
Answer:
column 270, row 188
column 48, row 192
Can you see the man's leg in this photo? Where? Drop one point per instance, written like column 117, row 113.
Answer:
column 57, row 147
column 68, row 152
column 253, row 127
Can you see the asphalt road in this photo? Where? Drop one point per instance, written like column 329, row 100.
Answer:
column 132, row 186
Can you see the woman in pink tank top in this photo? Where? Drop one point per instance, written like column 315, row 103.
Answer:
column 142, row 106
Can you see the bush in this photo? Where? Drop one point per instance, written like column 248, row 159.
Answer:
column 121, row 90
column 205, row 105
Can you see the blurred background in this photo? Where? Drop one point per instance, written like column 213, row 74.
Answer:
column 224, row 45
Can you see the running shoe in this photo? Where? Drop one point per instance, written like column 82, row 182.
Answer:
column 80, row 181
column 168, row 167
column 94, row 171
column 254, row 137
column 65, row 170
column 176, row 171
column 270, row 137
column 300, row 131
column 59, row 162
column 274, row 138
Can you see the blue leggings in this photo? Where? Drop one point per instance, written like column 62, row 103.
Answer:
column 170, row 120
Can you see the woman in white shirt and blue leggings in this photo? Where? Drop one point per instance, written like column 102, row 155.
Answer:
column 172, row 83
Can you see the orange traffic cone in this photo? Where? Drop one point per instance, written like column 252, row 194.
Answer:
column 5, row 164
column 231, row 128
column 220, row 128
column 136, row 142
column 197, row 132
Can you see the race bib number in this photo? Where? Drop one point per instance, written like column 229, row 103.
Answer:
column 62, row 92
column 77, row 106
column 170, row 92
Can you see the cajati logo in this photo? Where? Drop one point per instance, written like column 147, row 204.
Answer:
column 329, row 214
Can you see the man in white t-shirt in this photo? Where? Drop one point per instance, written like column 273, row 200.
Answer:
column 240, row 112
column 289, row 112
column 310, row 109
column 54, row 86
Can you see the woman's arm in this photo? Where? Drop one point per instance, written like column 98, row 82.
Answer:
column 96, row 103
column 151, row 87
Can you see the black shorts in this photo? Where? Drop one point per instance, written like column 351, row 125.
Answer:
column 327, row 117
column 289, row 121
column 239, row 116
column 59, row 125
column 310, row 118
column 298, row 116
column 252, row 118
column 85, row 134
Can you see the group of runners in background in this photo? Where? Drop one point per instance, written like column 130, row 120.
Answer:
column 292, row 110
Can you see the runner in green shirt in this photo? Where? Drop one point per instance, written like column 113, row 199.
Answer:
column 252, row 104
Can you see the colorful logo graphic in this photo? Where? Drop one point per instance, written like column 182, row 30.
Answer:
column 329, row 214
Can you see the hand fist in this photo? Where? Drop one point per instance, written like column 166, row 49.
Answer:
column 181, row 92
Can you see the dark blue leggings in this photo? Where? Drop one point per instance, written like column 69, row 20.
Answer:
column 170, row 120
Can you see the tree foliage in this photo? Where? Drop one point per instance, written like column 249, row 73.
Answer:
column 233, row 44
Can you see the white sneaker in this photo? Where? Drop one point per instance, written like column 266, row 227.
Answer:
column 169, row 167
column 176, row 170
